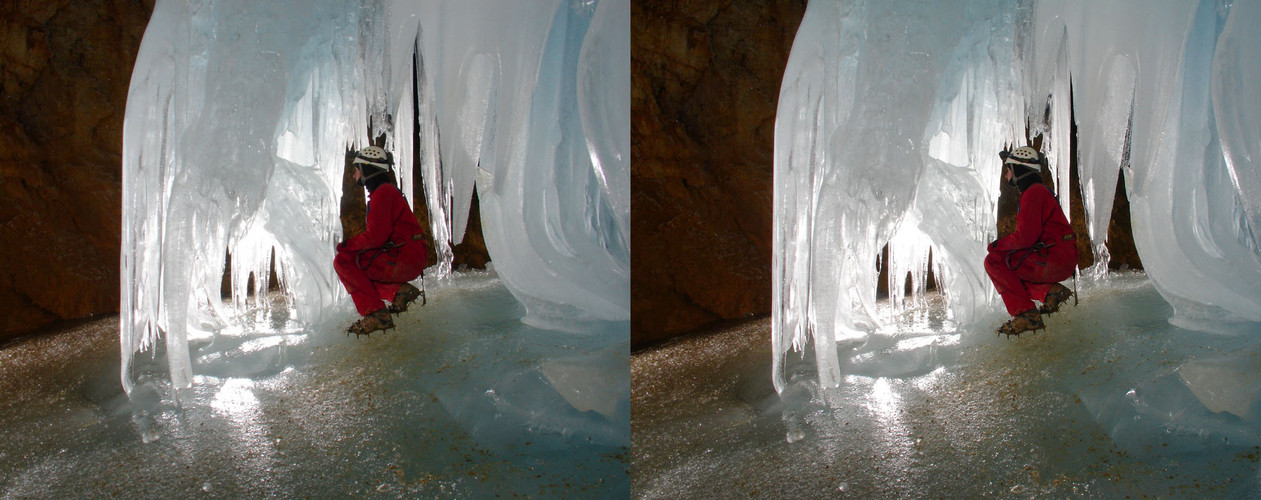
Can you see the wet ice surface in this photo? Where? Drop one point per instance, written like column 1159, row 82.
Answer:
column 1093, row 406
column 452, row 403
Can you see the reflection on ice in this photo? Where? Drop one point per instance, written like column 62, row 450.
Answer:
column 885, row 405
column 909, row 341
column 272, row 341
column 1095, row 406
column 893, row 140
column 452, row 403
column 591, row 381
column 1227, row 383
column 236, row 399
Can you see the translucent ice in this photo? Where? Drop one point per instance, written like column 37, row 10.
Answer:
column 1093, row 407
column 240, row 113
column 1226, row 383
column 592, row 381
column 891, row 115
column 880, row 99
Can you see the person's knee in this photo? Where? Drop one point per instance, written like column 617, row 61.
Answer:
column 995, row 261
column 344, row 261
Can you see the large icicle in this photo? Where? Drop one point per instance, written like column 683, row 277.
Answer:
column 1164, row 85
column 237, row 120
column 558, row 240
column 890, row 119
column 240, row 113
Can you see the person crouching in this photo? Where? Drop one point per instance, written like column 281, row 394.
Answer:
column 377, row 265
column 1029, row 263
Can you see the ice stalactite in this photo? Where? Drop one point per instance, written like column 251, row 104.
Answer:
column 887, row 114
column 240, row 113
column 889, row 124
column 553, row 197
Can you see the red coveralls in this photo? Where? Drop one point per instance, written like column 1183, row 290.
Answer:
column 1021, row 272
column 374, row 264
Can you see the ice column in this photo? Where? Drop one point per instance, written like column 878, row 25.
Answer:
column 890, row 118
column 238, row 119
column 1170, row 76
column 534, row 109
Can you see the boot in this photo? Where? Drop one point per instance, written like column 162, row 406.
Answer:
column 1030, row 320
column 379, row 320
column 404, row 297
column 1058, row 295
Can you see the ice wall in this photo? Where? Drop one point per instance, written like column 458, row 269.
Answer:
column 538, row 118
column 892, row 113
column 240, row 113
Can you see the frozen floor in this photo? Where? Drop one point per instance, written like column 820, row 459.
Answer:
column 1092, row 407
column 454, row 403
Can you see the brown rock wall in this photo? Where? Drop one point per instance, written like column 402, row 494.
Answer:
column 64, row 70
column 704, row 87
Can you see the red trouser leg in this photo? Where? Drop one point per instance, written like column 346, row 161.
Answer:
column 379, row 280
column 357, row 283
column 1007, row 282
column 1030, row 280
column 363, row 289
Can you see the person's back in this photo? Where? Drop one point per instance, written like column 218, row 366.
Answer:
column 377, row 264
column 404, row 225
column 1029, row 263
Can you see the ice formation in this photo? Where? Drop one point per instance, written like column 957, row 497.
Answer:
column 891, row 115
column 240, row 113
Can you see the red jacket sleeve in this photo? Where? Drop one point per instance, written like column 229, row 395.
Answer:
column 1035, row 206
column 381, row 207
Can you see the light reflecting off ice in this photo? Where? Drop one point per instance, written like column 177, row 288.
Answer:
column 236, row 398
column 1110, row 401
column 460, row 400
column 235, row 138
column 894, row 140
column 909, row 341
column 926, row 341
column 885, row 403
column 261, row 343
column 927, row 314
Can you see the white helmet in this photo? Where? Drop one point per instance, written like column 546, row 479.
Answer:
column 376, row 157
column 1025, row 156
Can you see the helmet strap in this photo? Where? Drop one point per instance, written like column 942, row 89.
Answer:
column 1016, row 178
column 364, row 178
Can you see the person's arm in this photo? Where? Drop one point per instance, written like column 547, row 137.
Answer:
column 380, row 224
column 1028, row 221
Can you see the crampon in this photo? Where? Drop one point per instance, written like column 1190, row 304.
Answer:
column 1030, row 320
column 1057, row 296
column 377, row 321
column 406, row 295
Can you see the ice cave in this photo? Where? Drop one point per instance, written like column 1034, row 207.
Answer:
column 508, row 381
column 890, row 118
column 513, row 380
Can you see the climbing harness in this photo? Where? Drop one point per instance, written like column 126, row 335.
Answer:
column 391, row 248
column 1037, row 247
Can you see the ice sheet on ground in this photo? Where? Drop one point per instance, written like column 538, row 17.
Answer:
column 1226, row 382
column 1092, row 406
column 451, row 403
